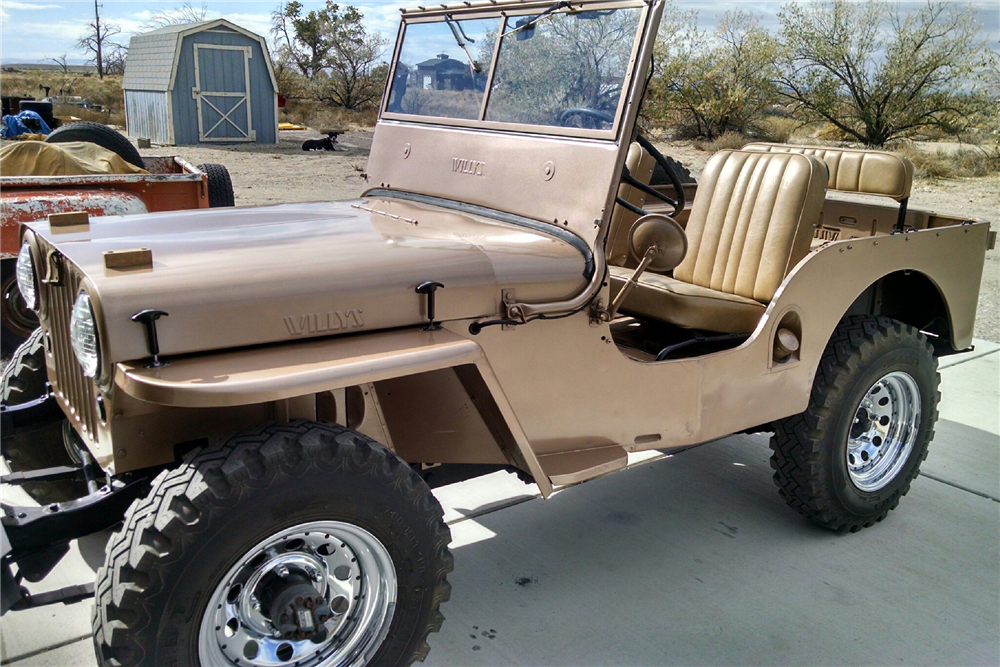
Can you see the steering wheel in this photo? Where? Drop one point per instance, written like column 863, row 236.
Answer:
column 665, row 164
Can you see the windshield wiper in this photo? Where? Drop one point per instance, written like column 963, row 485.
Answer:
column 528, row 24
column 462, row 39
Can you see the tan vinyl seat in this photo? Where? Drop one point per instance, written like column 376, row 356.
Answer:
column 751, row 223
column 857, row 170
column 641, row 165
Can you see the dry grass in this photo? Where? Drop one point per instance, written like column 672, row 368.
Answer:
column 106, row 92
column 318, row 116
column 937, row 163
column 726, row 141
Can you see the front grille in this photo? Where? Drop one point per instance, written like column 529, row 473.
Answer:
column 72, row 388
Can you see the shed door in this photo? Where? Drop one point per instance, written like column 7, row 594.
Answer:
column 222, row 90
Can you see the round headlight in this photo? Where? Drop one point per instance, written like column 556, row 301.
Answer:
column 26, row 277
column 83, row 336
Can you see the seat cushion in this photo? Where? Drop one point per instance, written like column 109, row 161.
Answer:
column 665, row 299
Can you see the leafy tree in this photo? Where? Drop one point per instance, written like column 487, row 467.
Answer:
column 879, row 74
column 331, row 48
column 305, row 40
column 715, row 82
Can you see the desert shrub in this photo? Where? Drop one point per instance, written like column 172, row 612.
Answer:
column 776, row 128
column 880, row 74
column 725, row 141
column 716, row 82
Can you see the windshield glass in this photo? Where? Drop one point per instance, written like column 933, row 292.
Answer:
column 442, row 68
column 572, row 64
column 554, row 68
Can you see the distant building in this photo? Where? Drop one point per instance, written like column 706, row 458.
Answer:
column 444, row 73
column 210, row 81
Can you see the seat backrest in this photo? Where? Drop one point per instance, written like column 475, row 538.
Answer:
column 752, row 221
column 865, row 172
column 640, row 164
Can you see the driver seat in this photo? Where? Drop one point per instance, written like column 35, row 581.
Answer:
column 751, row 223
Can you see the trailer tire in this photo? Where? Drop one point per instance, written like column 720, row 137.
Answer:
column 220, row 185
column 847, row 460
column 204, row 527
column 102, row 135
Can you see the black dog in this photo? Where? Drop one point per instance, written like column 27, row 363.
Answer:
column 324, row 144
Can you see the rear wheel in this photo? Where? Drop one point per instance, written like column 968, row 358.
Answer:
column 300, row 544
column 847, row 460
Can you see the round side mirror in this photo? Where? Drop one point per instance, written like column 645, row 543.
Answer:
column 664, row 236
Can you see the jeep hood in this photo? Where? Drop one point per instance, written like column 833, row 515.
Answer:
column 248, row 276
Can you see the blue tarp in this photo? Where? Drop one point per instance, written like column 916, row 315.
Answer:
column 23, row 123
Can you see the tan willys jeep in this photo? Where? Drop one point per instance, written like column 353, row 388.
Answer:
column 521, row 287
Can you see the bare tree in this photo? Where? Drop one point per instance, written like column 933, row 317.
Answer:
column 62, row 62
column 878, row 74
column 97, row 38
column 114, row 59
column 186, row 13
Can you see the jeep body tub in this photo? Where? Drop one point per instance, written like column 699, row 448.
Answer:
column 490, row 300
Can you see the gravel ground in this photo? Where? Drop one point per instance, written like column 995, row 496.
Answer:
column 284, row 173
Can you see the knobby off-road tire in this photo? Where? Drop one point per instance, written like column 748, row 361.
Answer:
column 811, row 451
column 43, row 446
column 24, row 377
column 205, row 517
column 102, row 135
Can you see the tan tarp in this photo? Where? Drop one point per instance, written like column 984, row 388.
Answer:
column 75, row 158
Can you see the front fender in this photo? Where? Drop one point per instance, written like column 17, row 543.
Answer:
column 276, row 372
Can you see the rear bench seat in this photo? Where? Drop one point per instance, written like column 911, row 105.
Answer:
column 859, row 171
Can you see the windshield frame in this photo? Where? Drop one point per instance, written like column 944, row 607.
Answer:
column 507, row 16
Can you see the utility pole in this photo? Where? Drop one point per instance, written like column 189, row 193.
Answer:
column 100, row 39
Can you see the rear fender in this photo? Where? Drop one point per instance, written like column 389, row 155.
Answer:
column 833, row 281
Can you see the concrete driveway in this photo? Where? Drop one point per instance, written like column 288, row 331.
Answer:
column 694, row 559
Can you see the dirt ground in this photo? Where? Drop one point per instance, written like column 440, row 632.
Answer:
column 284, row 173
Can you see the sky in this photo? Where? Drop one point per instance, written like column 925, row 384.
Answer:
column 35, row 30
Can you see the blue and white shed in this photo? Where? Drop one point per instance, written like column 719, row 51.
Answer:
column 210, row 81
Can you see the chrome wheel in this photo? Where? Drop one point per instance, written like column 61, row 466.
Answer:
column 883, row 431
column 316, row 594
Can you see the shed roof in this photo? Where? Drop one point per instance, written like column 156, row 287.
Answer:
column 152, row 56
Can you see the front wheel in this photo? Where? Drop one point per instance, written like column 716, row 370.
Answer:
column 847, row 460
column 300, row 544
